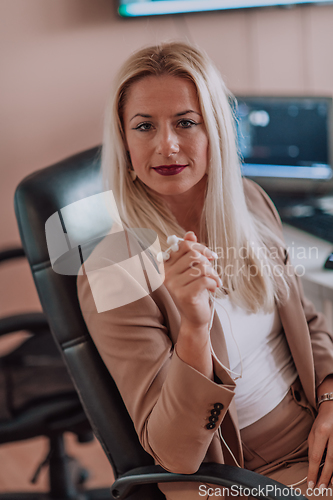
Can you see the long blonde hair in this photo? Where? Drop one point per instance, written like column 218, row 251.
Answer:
column 226, row 221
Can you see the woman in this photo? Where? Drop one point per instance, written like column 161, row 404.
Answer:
column 170, row 157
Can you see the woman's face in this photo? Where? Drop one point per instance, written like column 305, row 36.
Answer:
column 165, row 134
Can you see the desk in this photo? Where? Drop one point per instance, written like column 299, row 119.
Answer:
column 308, row 254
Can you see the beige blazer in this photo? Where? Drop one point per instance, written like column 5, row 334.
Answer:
column 169, row 401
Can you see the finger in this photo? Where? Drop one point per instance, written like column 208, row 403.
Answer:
column 189, row 268
column 188, row 261
column 200, row 284
column 316, row 451
column 207, row 252
column 191, row 291
column 190, row 236
column 184, row 248
column 327, row 471
column 204, row 268
column 191, row 245
column 197, row 270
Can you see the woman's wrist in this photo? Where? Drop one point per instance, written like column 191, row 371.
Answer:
column 193, row 329
column 327, row 396
column 194, row 347
column 325, row 392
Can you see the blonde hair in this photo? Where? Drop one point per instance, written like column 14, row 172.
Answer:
column 226, row 221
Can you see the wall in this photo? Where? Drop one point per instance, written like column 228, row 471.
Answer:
column 58, row 58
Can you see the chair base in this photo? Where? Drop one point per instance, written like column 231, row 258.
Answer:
column 66, row 478
column 94, row 494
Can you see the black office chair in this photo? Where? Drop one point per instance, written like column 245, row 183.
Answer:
column 37, row 398
column 37, row 198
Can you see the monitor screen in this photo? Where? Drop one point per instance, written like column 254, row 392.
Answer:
column 286, row 141
column 134, row 8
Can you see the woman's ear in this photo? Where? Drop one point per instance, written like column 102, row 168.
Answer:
column 130, row 168
column 133, row 174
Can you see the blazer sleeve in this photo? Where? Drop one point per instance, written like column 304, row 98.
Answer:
column 321, row 336
column 169, row 402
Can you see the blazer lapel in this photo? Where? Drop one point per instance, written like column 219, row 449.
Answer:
column 294, row 324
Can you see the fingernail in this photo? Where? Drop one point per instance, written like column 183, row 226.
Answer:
column 311, row 485
column 214, row 254
column 322, row 487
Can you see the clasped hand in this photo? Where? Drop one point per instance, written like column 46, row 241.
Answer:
column 189, row 277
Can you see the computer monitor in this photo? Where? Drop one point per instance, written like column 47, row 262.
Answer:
column 286, row 143
column 135, row 8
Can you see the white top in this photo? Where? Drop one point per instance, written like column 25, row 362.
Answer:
column 267, row 369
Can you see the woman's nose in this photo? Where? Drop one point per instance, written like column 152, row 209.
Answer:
column 167, row 143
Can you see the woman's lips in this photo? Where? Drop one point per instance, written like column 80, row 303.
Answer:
column 169, row 169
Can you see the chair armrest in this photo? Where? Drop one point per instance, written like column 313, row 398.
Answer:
column 30, row 322
column 11, row 253
column 217, row 474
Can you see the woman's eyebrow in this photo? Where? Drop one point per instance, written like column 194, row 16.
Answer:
column 182, row 113
column 188, row 111
column 140, row 114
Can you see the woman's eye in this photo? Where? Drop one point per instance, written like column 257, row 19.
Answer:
column 144, row 127
column 186, row 123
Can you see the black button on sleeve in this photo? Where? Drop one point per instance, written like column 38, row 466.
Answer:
column 215, row 412
column 210, row 426
column 213, row 418
column 218, row 406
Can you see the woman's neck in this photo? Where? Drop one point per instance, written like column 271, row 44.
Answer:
column 187, row 207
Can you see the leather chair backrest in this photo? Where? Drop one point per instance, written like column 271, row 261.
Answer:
column 37, row 198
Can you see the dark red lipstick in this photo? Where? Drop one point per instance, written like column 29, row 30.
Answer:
column 169, row 169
